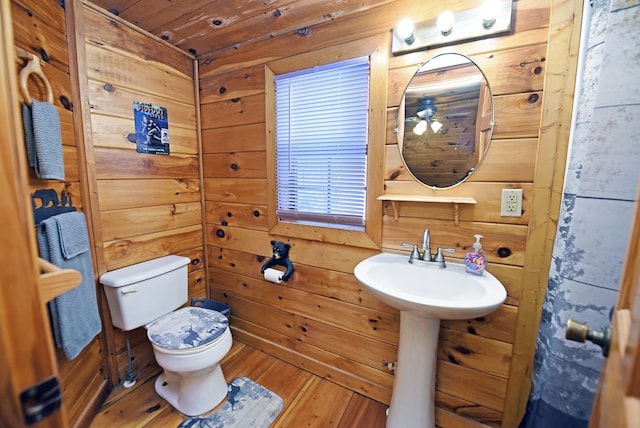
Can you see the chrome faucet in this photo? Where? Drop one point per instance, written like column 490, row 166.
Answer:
column 426, row 246
column 425, row 257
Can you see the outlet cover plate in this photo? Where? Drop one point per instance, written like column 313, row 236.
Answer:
column 511, row 205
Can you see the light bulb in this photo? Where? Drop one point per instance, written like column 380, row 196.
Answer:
column 404, row 29
column 489, row 13
column 420, row 128
column 445, row 22
column 436, row 126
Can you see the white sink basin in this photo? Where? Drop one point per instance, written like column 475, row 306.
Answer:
column 446, row 294
column 424, row 294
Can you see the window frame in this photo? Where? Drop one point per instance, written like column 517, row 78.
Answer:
column 376, row 49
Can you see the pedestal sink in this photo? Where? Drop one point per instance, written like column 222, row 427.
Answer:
column 425, row 294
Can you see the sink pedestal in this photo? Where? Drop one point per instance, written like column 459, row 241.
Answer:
column 413, row 396
column 424, row 295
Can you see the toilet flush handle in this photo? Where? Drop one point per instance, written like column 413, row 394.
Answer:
column 128, row 291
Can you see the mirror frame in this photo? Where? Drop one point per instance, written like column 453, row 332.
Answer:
column 484, row 123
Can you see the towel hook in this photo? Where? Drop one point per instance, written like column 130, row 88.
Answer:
column 32, row 67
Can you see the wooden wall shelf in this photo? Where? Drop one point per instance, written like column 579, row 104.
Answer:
column 55, row 281
column 432, row 199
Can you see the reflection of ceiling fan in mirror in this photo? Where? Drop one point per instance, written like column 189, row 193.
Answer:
column 426, row 117
column 445, row 119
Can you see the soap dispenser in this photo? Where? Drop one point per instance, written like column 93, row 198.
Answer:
column 475, row 260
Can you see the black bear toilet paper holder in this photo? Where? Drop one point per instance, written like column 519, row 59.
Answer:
column 280, row 257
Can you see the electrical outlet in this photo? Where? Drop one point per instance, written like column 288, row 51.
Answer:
column 511, row 205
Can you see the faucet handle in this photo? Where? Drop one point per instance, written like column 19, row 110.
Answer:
column 439, row 256
column 415, row 254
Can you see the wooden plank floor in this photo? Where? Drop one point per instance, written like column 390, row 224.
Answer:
column 309, row 400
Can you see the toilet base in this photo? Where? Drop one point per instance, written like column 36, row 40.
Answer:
column 195, row 394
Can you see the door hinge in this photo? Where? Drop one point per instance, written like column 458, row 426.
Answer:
column 40, row 400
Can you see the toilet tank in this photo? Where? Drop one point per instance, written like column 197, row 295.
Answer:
column 141, row 293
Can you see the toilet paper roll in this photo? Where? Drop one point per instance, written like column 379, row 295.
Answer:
column 273, row 275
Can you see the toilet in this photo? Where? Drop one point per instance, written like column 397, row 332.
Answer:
column 188, row 343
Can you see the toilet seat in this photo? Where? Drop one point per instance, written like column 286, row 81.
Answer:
column 188, row 330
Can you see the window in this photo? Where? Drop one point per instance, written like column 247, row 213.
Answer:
column 326, row 117
column 321, row 144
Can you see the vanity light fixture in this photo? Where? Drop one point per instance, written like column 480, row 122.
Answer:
column 453, row 26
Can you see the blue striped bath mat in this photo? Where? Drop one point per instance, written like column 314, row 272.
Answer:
column 248, row 405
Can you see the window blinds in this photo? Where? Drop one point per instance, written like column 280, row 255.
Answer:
column 321, row 143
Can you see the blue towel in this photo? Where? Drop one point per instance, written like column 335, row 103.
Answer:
column 43, row 139
column 74, row 243
column 64, row 241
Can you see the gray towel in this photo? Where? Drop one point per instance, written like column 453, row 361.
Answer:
column 74, row 239
column 64, row 241
column 43, row 139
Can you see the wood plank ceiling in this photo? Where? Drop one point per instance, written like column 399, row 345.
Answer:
column 203, row 26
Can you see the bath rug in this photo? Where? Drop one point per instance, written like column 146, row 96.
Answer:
column 248, row 405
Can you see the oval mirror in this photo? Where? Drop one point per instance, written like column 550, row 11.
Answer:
column 445, row 121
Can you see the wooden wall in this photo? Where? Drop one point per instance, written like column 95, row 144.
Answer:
column 138, row 206
column 322, row 320
column 41, row 27
column 147, row 205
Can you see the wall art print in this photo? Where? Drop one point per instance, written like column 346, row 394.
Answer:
column 152, row 128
